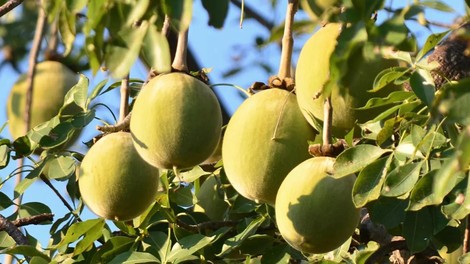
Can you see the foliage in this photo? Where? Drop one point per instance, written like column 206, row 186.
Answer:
column 411, row 160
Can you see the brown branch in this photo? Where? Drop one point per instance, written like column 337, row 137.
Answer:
column 33, row 220
column 327, row 121
column 213, row 225
column 8, row 6
column 124, row 107
column 66, row 204
column 252, row 13
column 13, row 231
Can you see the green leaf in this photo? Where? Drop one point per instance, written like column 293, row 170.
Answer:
column 418, row 229
column 356, row 158
column 388, row 76
column 187, row 246
column 156, row 50
column 33, row 208
column 180, row 12
column 183, row 196
column 217, row 11
column 25, row 250
column 394, row 30
column 4, row 156
column 67, row 21
column 77, row 95
column 422, row 194
column 6, row 240
column 132, row 257
column 394, row 97
column 438, row 5
column 28, row 180
column 233, row 243
column 388, row 211
column 5, row 201
column 195, row 173
column 430, row 43
column 138, row 10
column 459, row 111
column 369, row 182
column 422, row 84
column 96, row 91
column 402, row 179
column 60, row 167
column 77, row 230
column 120, row 56
column 89, row 237
column 113, row 247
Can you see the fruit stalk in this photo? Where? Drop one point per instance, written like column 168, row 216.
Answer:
column 179, row 62
column 287, row 41
column 124, row 106
column 327, row 122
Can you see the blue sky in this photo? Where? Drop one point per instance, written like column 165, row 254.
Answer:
column 215, row 48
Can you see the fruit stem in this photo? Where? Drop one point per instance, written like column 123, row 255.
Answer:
column 124, row 107
column 327, row 121
column 179, row 62
column 287, row 41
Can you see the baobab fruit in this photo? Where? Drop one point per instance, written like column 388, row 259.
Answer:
column 176, row 121
column 266, row 137
column 51, row 83
column 114, row 181
column 312, row 72
column 314, row 209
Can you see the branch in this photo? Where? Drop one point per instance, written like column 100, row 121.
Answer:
column 33, row 220
column 121, row 126
column 8, row 6
column 13, row 231
column 252, row 13
column 205, row 225
column 124, row 107
column 287, row 41
column 179, row 61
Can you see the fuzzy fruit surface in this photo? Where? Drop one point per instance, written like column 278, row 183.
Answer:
column 51, row 82
column 114, row 181
column 319, row 215
column 266, row 137
column 313, row 71
column 176, row 121
column 211, row 199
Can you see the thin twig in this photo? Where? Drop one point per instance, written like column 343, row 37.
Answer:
column 179, row 61
column 327, row 121
column 253, row 14
column 49, row 184
column 8, row 6
column 124, row 107
column 166, row 26
column 287, row 41
column 213, row 225
column 33, row 220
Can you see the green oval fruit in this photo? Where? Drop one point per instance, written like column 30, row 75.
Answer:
column 176, row 121
column 266, row 137
column 51, row 82
column 211, row 200
column 114, row 181
column 313, row 71
column 314, row 210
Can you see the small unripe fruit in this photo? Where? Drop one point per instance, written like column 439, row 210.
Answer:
column 266, row 137
column 176, row 121
column 52, row 81
column 314, row 210
column 114, row 181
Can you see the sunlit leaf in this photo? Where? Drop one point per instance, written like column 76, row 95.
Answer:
column 388, row 76
column 422, row 84
column 188, row 245
column 430, row 43
column 354, row 159
column 138, row 10
column 156, row 50
column 80, row 229
column 401, row 180
column 26, row 250
column 33, row 208
column 180, row 12
column 369, row 182
column 134, row 257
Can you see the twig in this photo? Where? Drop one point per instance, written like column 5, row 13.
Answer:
column 49, row 184
column 179, row 61
column 251, row 13
column 33, row 220
column 327, row 121
column 166, row 26
column 287, row 41
column 121, row 126
column 124, row 107
column 205, row 225
column 8, row 6
column 466, row 239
